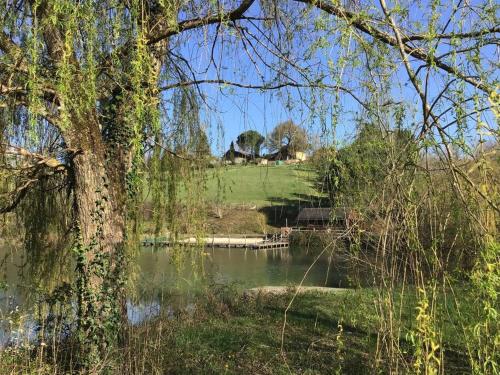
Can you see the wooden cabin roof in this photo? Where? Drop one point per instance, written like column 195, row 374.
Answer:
column 238, row 154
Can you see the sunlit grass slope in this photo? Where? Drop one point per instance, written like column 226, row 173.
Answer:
column 261, row 185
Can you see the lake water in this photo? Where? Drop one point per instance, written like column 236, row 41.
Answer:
column 161, row 275
column 245, row 268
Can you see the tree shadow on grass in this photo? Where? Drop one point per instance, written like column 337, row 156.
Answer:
column 359, row 342
column 284, row 211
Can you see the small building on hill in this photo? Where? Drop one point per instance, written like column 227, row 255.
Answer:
column 300, row 156
column 322, row 217
column 285, row 154
column 238, row 156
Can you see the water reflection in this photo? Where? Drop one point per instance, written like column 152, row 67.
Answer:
column 138, row 313
column 246, row 268
column 165, row 280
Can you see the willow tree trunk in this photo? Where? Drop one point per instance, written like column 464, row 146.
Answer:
column 102, row 164
column 100, row 210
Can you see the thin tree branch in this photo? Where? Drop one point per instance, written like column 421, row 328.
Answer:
column 201, row 21
column 262, row 87
column 45, row 160
column 471, row 34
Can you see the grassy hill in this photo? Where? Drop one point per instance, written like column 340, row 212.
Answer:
column 256, row 199
column 261, row 186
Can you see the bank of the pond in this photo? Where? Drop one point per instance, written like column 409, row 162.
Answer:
column 226, row 333
column 325, row 333
column 280, row 290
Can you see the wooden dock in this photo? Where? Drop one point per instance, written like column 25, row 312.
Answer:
column 237, row 241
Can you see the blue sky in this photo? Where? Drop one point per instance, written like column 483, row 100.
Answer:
column 247, row 109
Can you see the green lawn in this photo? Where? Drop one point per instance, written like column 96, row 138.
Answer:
column 261, row 185
column 325, row 334
column 225, row 333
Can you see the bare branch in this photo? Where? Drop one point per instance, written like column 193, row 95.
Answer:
column 20, row 193
column 8, row 46
column 466, row 35
column 198, row 22
column 263, row 86
column 29, row 175
column 44, row 160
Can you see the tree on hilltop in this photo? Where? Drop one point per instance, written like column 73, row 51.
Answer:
column 251, row 142
column 288, row 138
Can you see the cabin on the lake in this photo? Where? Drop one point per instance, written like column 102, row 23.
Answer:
column 323, row 217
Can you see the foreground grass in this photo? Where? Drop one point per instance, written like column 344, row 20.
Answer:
column 228, row 334
column 325, row 334
column 246, row 339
